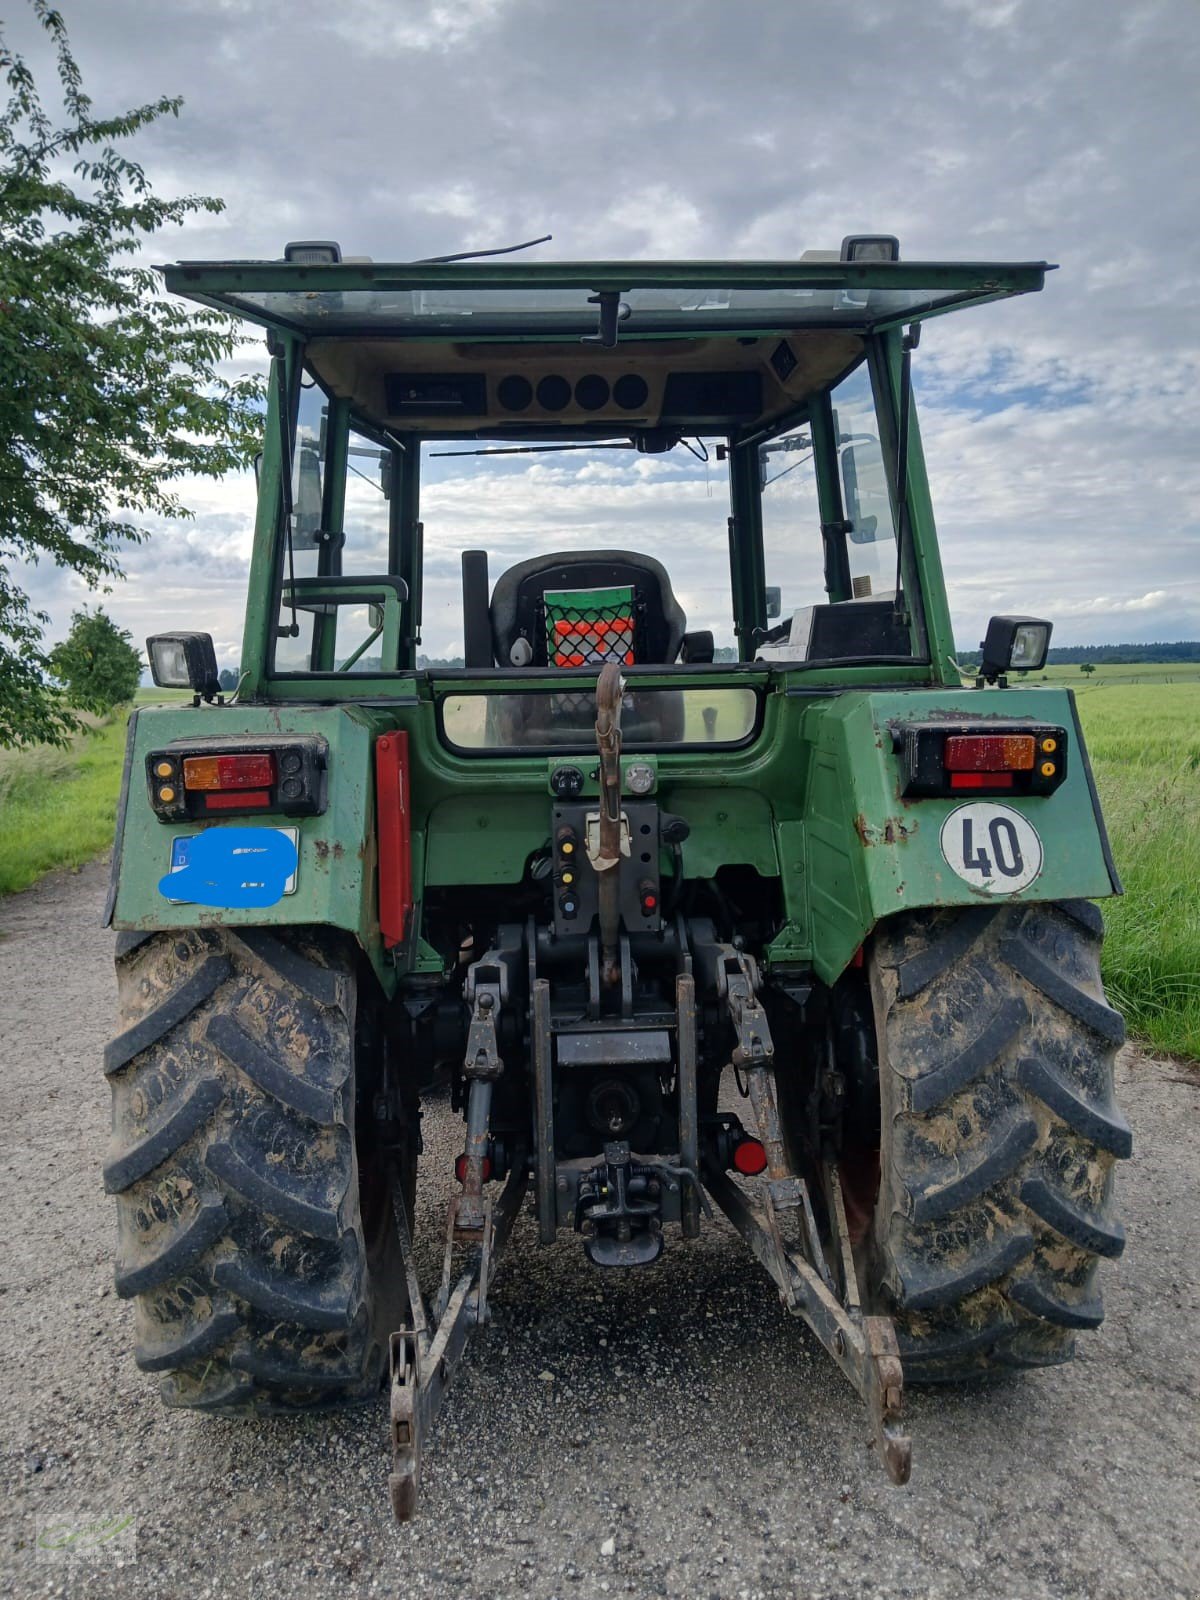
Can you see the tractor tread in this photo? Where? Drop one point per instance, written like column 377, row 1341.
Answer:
column 131, row 939
column 195, row 1107
column 177, row 1349
column 1076, row 1226
column 924, row 1289
column 168, row 1014
column 1094, row 1014
column 268, row 1073
column 995, row 1199
column 932, row 1088
column 289, row 966
column 1034, row 1297
column 296, row 1210
column 917, row 972
column 264, row 1275
column 1086, row 913
column 284, row 1298
column 1100, row 1124
column 183, row 1248
column 999, row 1163
column 273, row 1373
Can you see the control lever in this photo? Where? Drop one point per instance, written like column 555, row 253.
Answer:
column 610, row 689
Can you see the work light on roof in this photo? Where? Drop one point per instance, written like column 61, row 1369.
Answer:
column 870, row 247
column 312, row 252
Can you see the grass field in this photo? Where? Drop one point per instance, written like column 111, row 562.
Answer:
column 57, row 809
column 1145, row 746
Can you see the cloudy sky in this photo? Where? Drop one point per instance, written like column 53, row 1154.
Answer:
column 1062, row 430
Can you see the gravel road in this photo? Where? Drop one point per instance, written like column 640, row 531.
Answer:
column 664, row 1432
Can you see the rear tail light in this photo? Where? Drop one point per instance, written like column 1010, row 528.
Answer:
column 288, row 775
column 937, row 758
column 229, row 772
column 989, row 752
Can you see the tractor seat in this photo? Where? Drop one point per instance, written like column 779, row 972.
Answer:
column 575, row 609
column 584, row 608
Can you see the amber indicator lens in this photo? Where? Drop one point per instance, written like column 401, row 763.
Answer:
column 229, row 772
column 983, row 752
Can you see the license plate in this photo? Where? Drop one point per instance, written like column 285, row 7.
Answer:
column 181, row 846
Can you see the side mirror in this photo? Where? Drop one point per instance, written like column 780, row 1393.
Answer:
column 866, row 493
column 306, row 511
column 774, row 601
column 1014, row 644
column 184, row 661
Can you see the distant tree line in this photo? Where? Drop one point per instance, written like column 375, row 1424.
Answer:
column 1109, row 654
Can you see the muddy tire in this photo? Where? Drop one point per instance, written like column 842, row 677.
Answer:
column 252, row 1180
column 999, row 1135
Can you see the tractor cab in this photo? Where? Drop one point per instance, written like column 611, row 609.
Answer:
column 502, row 415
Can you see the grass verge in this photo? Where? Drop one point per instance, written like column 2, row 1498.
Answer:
column 1145, row 747
column 58, row 808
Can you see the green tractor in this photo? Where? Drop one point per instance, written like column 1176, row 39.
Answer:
column 798, row 927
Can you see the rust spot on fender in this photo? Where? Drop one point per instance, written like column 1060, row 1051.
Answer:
column 894, row 831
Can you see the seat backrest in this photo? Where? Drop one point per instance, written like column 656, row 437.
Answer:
column 645, row 612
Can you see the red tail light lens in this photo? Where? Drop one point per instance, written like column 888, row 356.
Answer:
column 229, row 772
column 750, row 1158
column 981, row 780
column 238, row 800
column 983, row 752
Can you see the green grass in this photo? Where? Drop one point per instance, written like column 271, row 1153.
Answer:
column 1144, row 742
column 58, row 808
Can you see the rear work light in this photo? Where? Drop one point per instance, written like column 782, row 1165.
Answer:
column 193, row 779
column 937, row 758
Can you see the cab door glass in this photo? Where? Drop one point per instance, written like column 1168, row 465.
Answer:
column 791, row 524
column 368, row 494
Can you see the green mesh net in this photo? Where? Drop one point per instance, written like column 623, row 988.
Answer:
column 589, row 627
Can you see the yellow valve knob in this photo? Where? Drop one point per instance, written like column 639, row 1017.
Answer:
column 166, row 793
column 568, row 877
column 1049, row 745
column 568, row 848
column 164, row 769
column 1048, row 769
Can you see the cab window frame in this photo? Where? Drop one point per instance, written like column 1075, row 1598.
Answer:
column 833, row 528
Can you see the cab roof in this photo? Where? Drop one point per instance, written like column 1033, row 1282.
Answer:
column 540, row 299
column 537, row 348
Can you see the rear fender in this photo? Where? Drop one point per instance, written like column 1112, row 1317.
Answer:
column 335, row 883
column 871, row 852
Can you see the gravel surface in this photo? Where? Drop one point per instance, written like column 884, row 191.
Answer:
column 662, row 1432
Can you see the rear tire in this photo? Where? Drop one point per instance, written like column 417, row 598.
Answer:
column 253, row 1182
column 999, row 1134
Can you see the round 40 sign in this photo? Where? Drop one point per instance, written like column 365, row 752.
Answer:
column 992, row 847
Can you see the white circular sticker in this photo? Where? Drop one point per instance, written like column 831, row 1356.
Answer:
column 992, row 847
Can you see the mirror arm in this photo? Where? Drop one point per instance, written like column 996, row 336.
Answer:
column 285, row 483
column 907, row 345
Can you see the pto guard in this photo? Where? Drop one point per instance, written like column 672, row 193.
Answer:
column 869, row 853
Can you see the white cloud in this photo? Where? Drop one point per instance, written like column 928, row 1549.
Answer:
column 1061, row 429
